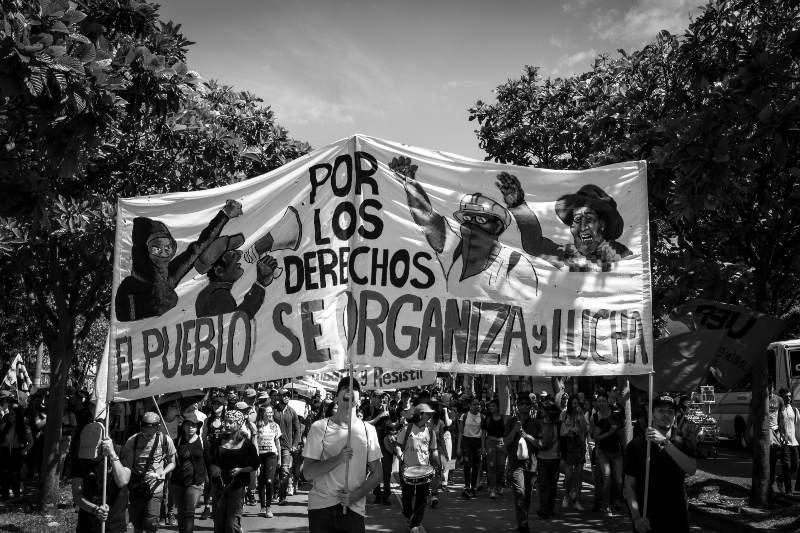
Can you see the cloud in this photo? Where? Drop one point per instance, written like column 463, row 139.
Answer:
column 583, row 56
column 460, row 84
column 643, row 20
column 575, row 5
column 555, row 42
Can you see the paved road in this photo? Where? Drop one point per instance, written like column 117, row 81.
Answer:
column 454, row 515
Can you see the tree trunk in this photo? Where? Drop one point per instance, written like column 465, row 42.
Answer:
column 60, row 360
column 759, row 421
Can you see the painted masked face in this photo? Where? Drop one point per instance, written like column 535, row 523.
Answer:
column 160, row 248
column 478, row 239
column 587, row 228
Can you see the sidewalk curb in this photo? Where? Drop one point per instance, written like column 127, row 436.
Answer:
column 718, row 522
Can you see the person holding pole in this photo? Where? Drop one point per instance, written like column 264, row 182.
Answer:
column 342, row 457
column 671, row 460
column 87, row 489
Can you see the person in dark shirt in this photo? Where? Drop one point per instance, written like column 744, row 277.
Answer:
column 190, row 473
column 521, row 472
column 604, row 426
column 87, row 491
column 290, row 440
column 378, row 414
column 671, row 460
column 230, row 462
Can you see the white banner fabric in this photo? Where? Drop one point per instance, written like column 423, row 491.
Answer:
column 377, row 378
column 389, row 256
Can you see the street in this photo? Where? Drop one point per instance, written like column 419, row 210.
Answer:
column 454, row 514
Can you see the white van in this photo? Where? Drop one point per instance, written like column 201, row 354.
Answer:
column 732, row 406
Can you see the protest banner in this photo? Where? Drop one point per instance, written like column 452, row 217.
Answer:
column 377, row 378
column 745, row 335
column 384, row 255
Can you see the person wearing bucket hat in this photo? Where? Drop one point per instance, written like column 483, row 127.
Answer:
column 220, row 262
column 189, row 477
column 592, row 216
column 416, row 446
column 470, row 253
column 671, row 460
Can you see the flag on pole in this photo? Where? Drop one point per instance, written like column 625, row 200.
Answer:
column 17, row 375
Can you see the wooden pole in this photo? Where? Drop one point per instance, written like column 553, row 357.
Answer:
column 649, row 444
column 105, row 460
column 163, row 422
column 349, row 430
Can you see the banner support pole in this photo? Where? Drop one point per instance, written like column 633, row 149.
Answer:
column 349, row 429
column 649, row 444
column 106, row 427
column 163, row 422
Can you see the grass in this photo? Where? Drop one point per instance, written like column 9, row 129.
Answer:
column 21, row 515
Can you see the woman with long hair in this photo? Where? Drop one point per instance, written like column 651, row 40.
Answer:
column 230, row 461
column 189, row 475
column 574, row 429
column 268, row 435
column 495, row 451
column 471, row 445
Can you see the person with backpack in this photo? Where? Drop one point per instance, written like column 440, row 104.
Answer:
column 416, row 447
column 471, row 442
column 150, row 455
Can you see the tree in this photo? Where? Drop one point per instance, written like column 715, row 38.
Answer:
column 96, row 102
column 716, row 115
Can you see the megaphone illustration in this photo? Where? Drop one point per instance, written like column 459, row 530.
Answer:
column 285, row 235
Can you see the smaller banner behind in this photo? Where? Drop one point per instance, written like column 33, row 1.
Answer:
column 745, row 336
column 377, row 378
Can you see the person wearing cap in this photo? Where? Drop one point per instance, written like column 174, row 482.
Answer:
column 671, row 460
column 87, row 484
column 289, row 423
column 331, row 457
column 471, row 253
column 230, row 461
column 416, row 446
column 262, row 400
column 190, row 473
column 150, row 455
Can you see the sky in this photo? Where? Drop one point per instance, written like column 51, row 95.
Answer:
column 404, row 70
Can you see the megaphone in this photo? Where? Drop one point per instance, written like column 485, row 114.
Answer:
column 285, row 235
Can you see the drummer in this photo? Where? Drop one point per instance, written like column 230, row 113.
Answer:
column 417, row 451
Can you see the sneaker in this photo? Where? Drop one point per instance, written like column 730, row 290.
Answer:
column 472, row 493
column 467, row 494
column 282, row 502
column 565, row 502
column 263, row 512
column 268, row 514
column 434, row 502
column 251, row 498
column 608, row 512
column 492, row 494
column 290, row 490
column 578, row 506
column 169, row 520
column 206, row 514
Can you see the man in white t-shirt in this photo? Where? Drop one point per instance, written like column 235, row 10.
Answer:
column 326, row 455
column 789, row 456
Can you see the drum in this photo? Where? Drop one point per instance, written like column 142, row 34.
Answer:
column 418, row 475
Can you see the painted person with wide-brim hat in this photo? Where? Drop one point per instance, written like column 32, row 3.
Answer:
column 593, row 219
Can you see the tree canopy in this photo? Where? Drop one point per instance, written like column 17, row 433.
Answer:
column 96, row 103
column 715, row 113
